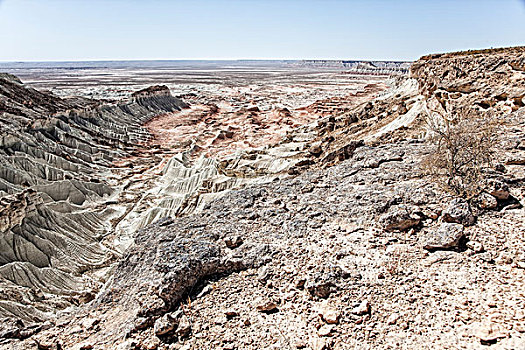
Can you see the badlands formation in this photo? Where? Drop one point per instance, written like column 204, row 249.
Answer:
column 283, row 209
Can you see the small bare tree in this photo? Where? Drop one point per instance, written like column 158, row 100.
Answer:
column 463, row 148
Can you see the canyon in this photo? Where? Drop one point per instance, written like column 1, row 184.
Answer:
column 251, row 205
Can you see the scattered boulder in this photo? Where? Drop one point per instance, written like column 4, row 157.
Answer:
column 90, row 323
column 321, row 288
column 475, row 246
column 458, row 211
column 504, row 259
column 184, row 328
column 47, row 344
column 300, row 343
column 447, row 236
column 265, row 305
column 231, row 313
column 486, row 201
column 140, row 323
column 300, row 282
column 315, row 149
column 163, row 326
column 400, row 218
column 167, row 323
column 284, row 112
column 10, row 328
column 520, row 261
column 330, row 315
column 225, row 134
column 233, row 241
column 489, row 332
column 213, row 108
column 497, row 189
column 151, row 343
column 362, row 309
column 165, row 221
column 392, row 319
column 85, row 346
column 325, row 330
column 264, row 275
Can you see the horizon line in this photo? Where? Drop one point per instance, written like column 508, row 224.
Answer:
column 205, row 60
column 251, row 59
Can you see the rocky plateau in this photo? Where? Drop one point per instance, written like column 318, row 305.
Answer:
column 276, row 209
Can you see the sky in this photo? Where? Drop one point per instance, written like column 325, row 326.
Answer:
column 62, row 30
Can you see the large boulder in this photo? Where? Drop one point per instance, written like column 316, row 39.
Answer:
column 458, row 211
column 447, row 236
column 497, row 189
column 400, row 218
column 486, row 201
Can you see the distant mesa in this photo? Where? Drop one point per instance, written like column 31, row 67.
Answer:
column 155, row 90
column 370, row 67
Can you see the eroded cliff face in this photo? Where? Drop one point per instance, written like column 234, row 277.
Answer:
column 454, row 83
column 335, row 241
column 57, row 179
column 487, row 83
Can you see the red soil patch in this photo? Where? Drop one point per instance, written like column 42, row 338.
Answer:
column 221, row 131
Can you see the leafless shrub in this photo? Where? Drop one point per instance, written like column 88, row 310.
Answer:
column 463, row 148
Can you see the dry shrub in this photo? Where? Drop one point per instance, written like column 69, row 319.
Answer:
column 463, row 149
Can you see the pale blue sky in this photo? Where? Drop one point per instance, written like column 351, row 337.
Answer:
column 33, row 30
